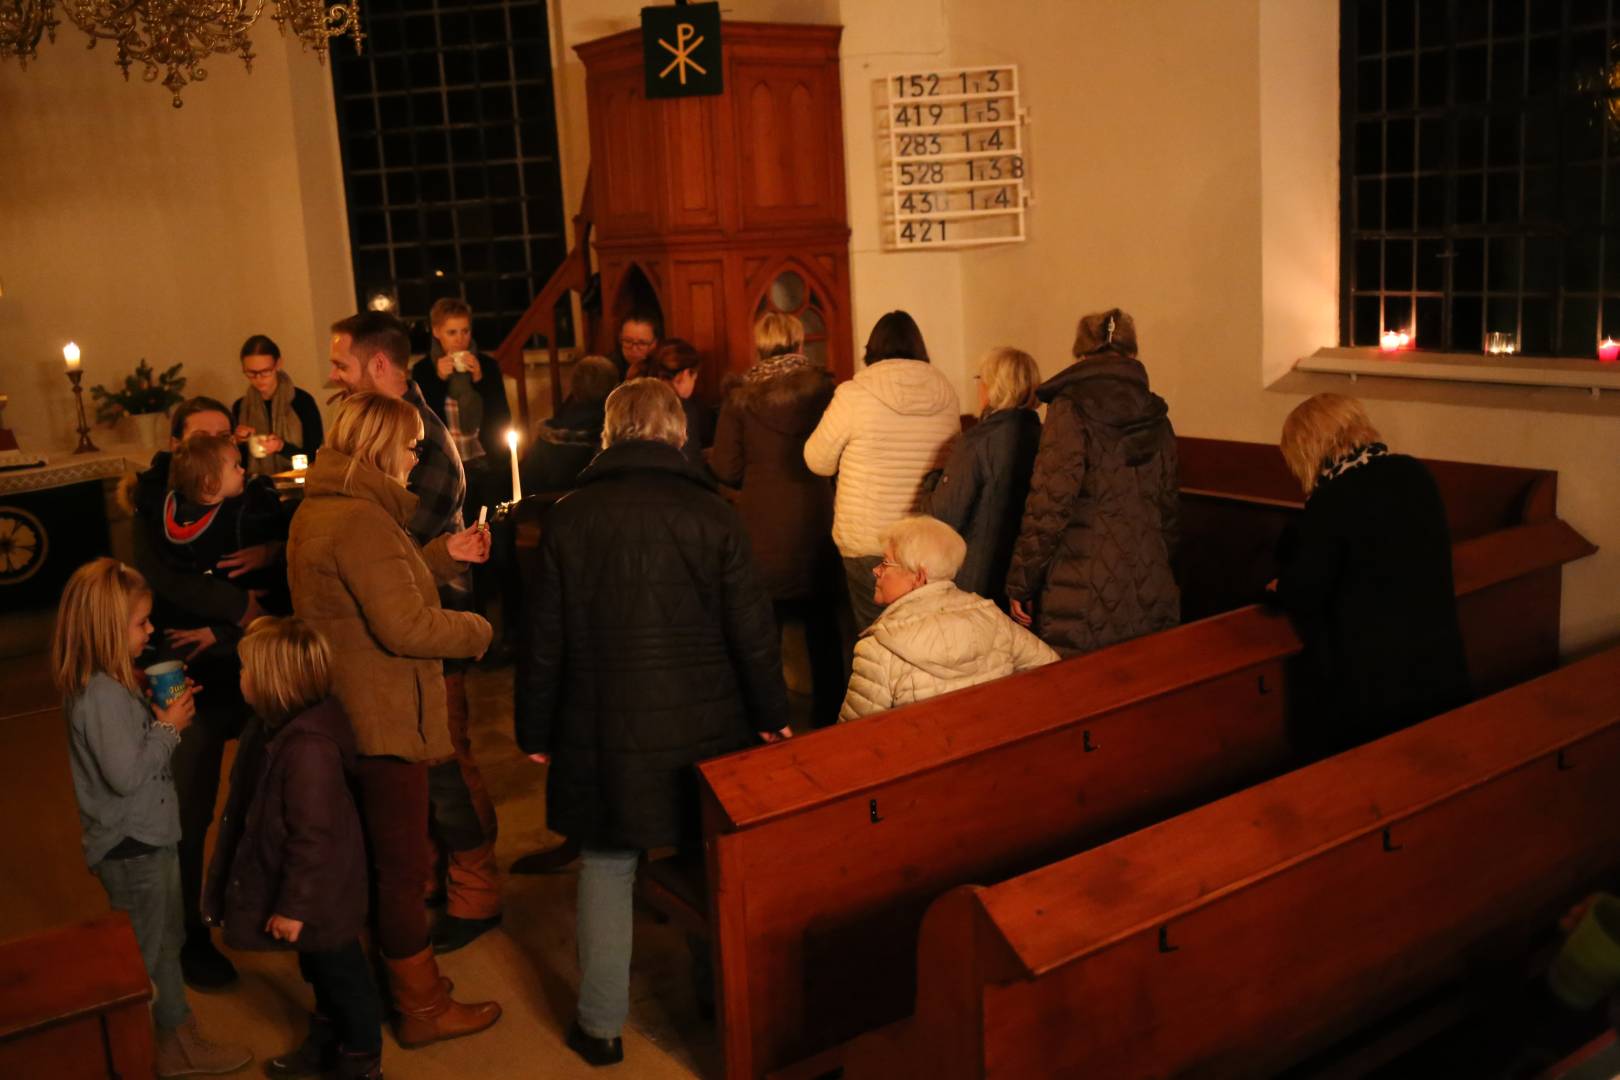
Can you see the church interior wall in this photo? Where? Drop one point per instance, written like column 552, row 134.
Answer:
column 1184, row 164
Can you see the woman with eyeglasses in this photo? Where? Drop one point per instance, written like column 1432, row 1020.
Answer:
column 359, row 578
column 284, row 418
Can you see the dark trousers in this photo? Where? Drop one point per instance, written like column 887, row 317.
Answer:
column 862, row 585
column 394, row 813
column 819, row 615
column 195, row 766
column 345, row 995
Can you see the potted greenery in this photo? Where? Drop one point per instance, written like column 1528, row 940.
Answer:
column 146, row 398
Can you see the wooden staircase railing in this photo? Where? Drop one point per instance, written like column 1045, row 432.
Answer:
column 573, row 275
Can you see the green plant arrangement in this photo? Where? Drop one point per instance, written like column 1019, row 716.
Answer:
column 143, row 392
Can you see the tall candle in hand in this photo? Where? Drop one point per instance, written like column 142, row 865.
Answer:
column 517, row 484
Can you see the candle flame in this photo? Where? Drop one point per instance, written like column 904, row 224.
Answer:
column 512, row 438
column 70, row 353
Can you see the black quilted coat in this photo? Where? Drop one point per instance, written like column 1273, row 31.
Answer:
column 650, row 646
column 1102, row 519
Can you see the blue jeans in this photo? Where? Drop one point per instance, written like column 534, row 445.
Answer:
column 148, row 889
column 607, row 881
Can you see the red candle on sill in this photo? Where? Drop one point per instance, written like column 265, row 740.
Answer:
column 1609, row 351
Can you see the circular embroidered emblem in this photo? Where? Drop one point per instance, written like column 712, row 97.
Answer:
column 23, row 545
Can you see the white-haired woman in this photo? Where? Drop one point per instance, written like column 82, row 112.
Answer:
column 651, row 648
column 981, row 491
column 932, row 637
column 1366, row 576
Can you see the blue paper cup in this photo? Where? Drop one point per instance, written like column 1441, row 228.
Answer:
column 167, row 680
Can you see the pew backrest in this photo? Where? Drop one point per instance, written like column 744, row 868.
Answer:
column 73, row 1002
column 1242, row 936
column 824, row 851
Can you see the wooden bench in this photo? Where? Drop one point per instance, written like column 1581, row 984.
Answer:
column 1244, row 936
column 73, row 1002
column 823, row 852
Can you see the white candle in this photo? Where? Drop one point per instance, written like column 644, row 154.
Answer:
column 70, row 353
column 517, row 485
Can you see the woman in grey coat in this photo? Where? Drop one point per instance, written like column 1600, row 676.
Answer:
column 980, row 493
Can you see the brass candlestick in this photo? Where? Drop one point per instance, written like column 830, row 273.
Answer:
column 85, row 445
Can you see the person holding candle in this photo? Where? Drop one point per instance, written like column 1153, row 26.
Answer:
column 371, row 352
column 284, row 418
column 360, row 578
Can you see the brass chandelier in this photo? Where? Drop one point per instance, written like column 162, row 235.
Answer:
column 170, row 39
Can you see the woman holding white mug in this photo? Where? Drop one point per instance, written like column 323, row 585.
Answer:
column 274, row 419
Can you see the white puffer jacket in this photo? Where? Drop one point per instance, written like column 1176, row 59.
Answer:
column 884, row 431
column 932, row 640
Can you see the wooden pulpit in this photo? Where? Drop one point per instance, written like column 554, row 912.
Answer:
column 714, row 210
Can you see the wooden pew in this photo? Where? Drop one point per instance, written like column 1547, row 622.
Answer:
column 1246, row 935
column 73, row 1002
column 823, row 852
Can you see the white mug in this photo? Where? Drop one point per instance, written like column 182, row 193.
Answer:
column 459, row 362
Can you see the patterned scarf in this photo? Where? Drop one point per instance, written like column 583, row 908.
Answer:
column 1350, row 459
column 772, row 366
column 273, row 417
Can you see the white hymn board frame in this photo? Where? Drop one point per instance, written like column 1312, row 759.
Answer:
column 957, row 175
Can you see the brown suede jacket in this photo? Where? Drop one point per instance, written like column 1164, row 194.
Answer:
column 359, row 577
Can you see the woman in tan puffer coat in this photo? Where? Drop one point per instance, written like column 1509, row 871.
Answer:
column 886, row 430
column 932, row 637
column 358, row 577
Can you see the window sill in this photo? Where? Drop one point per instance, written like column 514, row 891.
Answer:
column 1548, row 385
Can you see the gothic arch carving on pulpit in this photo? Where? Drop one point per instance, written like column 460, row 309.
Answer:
column 793, row 287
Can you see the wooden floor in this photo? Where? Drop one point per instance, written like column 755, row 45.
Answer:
column 528, row 964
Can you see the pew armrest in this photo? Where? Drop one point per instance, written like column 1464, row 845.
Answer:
column 1507, row 554
column 70, row 972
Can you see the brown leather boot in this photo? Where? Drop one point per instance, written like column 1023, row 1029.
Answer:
column 426, row 1012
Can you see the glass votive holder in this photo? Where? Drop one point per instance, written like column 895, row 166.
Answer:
column 300, row 462
column 1500, row 344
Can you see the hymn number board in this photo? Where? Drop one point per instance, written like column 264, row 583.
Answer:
column 957, row 176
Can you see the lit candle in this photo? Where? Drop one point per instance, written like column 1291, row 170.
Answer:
column 517, row 485
column 70, row 353
column 300, row 462
column 1389, row 341
column 1609, row 351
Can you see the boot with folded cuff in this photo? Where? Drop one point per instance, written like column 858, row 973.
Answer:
column 426, row 1012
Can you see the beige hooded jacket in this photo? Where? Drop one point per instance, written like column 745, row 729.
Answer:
column 931, row 641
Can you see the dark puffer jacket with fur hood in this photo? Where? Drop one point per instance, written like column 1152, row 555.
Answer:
column 786, row 508
column 1103, row 516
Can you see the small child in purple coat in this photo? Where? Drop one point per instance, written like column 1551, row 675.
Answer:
column 289, row 867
